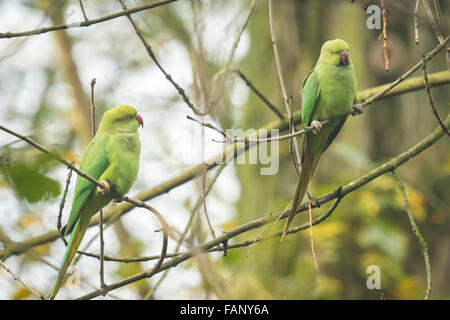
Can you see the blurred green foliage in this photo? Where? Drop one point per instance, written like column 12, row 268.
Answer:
column 26, row 175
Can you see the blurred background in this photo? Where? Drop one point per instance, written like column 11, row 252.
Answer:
column 45, row 94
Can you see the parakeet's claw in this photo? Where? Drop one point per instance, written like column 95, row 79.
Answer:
column 105, row 188
column 357, row 109
column 316, row 126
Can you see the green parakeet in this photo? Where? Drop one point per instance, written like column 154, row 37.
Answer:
column 112, row 157
column 327, row 92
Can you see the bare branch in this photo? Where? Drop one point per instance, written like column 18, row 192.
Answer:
column 211, row 126
column 430, row 97
column 281, row 78
column 384, row 34
column 217, row 96
column 61, row 206
column 100, row 213
column 416, row 231
column 416, row 25
column 85, row 23
column 152, row 55
column 82, row 10
column 435, row 27
column 259, row 94
column 20, row 281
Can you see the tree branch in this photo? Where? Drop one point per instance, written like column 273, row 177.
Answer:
column 85, row 23
column 416, row 231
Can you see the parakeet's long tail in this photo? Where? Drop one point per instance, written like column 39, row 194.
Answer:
column 77, row 235
column 309, row 166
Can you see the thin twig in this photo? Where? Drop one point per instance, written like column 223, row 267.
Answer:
column 430, row 97
column 281, row 78
column 203, row 196
column 217, row 97
column 417, row 233
column 152, row 55
column 85, row 23
column 437, row 10
column 102, row 250
column 384, row 34
column 435, row 27
column 61, row 206
column 82, row 10
column 20, row 281
column 295, row 159
column 259, row 94
column 100, row 222
column 211, row 126
column 416, row 24
column 93, row 82
column 311, row 238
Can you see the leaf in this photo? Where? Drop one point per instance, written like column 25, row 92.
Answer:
column 28, row 180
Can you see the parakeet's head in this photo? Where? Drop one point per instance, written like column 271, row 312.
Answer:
column 122, row 118
column 335, row 52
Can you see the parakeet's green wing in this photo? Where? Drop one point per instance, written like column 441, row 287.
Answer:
column 310, row 94
column 94, row 163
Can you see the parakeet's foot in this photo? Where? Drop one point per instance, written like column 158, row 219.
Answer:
column 316, row 126
column 357, row 109
column 105, row 188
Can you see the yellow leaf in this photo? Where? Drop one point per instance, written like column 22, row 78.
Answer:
column 21, row 293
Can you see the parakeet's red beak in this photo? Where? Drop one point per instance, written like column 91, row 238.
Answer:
column 343, row 58
column 140, row 120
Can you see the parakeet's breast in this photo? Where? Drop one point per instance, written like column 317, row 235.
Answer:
column 337, row 91
column 123, row 152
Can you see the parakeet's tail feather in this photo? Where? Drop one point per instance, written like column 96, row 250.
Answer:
column 309, row 166
column 72, row 247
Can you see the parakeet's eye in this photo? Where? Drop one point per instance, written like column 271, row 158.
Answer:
column 332, row 52
column 127, row 118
